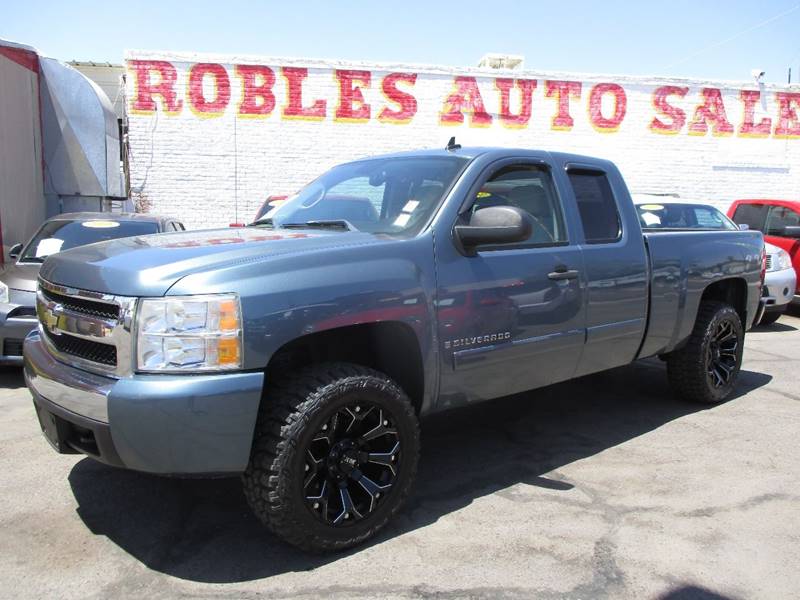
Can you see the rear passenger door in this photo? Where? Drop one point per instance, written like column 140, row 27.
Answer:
column 615, row 267
column 510, row 317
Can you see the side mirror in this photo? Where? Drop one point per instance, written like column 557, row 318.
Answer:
column 791, row 231
column 495, row 225
column 15, row 251
column 744, row 227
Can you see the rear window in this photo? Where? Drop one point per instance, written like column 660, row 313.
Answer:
column 56, row 236
column 598, row 210
column 682, row 216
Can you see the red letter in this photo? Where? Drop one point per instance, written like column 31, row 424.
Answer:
column 222, row 85
column 711, row 110
column 145, row 89
column 350, row 95
column 563, row 91
column 788, row 122
column 599, row 122
column 748, row 128
column 294, row 108
column 406, row 102
column 257, row 96
column 465, row 97
column 660, row 102
column 526, row 87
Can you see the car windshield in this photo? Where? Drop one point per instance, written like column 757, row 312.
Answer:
column 63, row 234
column 386, row 195
column 673, row 215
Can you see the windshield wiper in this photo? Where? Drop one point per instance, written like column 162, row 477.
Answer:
column 263, row 221
column 321, row 224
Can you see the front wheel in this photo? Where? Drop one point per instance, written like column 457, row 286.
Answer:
column 334, row 456
column 707, row 367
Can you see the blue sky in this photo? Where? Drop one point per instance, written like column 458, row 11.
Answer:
column 709, row 39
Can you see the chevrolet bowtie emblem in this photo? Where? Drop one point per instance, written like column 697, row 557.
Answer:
column 50, row 316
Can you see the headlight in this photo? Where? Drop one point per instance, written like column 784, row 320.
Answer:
column 784, row 260
column 189, row 333
column 3, row 292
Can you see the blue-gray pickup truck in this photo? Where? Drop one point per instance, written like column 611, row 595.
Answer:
column 301, row 351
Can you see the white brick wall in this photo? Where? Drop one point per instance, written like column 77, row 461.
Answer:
column 210, row 171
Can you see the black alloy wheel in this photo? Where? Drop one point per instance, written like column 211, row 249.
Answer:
column 351, row 464
column 721, row 355
column 706, row 368
column 334, row 456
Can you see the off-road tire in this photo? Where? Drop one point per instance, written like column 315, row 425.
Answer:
column 769, row 318
column 292, row 411
column 688, row 368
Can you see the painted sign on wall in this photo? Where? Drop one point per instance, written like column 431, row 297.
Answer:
column 273, row 125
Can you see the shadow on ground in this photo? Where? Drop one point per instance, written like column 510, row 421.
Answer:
column 777, row 327
column 202, row 530
column 11, row 377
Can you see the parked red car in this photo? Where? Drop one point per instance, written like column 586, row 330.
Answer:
column 778, row 220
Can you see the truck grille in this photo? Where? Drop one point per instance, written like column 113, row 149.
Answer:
column 769, row 262
column 86, row 329
column 84, row 349
column 83, row 306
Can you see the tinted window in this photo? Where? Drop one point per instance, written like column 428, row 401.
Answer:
column 55, row 236
column 386, row 195
column 596, row 205
column 531, row 189
column 780, row 217
column 752, row 215
column 682, row 216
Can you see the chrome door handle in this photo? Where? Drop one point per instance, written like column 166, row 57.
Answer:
column 560, row 274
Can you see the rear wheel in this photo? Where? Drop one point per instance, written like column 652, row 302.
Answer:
column 707, row 367
column 334, row 456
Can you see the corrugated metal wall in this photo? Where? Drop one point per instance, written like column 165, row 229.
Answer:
column 21, row 207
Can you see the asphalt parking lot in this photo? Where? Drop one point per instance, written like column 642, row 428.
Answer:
column 601, row 487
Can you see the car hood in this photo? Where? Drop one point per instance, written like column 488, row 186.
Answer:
column 20, row 277
column 150, row 265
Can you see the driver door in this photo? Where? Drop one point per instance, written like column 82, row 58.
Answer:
column 511, row 317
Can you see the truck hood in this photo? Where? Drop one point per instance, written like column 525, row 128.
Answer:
column 149, row 265
column 20, row 277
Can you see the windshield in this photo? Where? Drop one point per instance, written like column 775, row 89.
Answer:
column 682, row 216
column 58, row 235
column 387, row 195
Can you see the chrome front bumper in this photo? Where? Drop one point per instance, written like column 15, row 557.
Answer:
column 779, row 287
column 169, row 424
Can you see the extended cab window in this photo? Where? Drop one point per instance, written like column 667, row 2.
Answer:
column 752, row 215
column 596, row 205
column 779, row 218
column 531, row 189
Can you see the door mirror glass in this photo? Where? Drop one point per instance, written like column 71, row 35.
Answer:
column 15, row 251
column 495, row 225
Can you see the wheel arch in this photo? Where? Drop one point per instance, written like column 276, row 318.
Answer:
column 391, row 347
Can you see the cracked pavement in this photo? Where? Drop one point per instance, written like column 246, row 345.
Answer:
column 603, row 487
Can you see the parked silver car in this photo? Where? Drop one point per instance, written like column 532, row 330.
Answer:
column 18, row 278
column 779, row 284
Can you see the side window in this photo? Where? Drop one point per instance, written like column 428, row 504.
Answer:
column 596, row 205
column 780, row 217
column 531, row 189
column 752, row 215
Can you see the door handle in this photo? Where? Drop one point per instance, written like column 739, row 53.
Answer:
column 562, row 272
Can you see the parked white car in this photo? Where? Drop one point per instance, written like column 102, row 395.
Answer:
column 779, row 283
